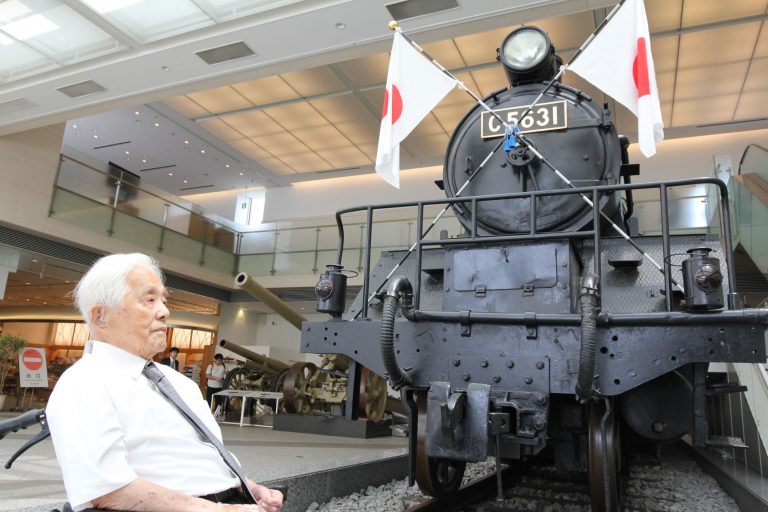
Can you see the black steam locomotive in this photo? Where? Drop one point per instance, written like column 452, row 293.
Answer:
column 544, row 328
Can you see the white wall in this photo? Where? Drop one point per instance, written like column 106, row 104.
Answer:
column 221, row 203
column 255, row 331
column 323, row 198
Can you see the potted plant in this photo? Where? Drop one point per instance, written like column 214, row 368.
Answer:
column 10, row 345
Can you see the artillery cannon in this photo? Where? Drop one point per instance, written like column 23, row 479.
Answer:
column 306, row 388
column 259, row 373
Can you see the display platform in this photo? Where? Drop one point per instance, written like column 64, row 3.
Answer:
column 331, row 426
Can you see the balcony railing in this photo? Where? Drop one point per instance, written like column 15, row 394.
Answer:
column 154, row 221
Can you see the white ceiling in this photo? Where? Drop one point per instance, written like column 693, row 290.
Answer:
column 306, row 106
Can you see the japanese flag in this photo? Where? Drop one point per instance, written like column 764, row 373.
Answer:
column 618, row 61
column 414, row 87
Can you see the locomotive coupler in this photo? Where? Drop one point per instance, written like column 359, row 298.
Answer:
column 453, row 413
column 457, row 422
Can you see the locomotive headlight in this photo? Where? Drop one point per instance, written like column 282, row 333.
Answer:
column 527, row 56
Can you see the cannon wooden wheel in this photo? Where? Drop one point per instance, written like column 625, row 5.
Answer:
column 372, row 396
column 604, row 459
column 296, row 396
column 237, row 378
column 436, row 477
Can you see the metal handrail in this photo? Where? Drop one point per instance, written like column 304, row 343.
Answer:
column 533, row 234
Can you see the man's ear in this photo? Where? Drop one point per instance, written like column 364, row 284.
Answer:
column 98, row 315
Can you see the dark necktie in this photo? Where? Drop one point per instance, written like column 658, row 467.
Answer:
column 169, row 392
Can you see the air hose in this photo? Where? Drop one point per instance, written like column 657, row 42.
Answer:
column 589, row 299
column 399, row 287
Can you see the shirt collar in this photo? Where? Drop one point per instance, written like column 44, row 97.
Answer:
column 115, row 358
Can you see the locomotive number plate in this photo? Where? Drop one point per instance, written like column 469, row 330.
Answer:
column 543, row 117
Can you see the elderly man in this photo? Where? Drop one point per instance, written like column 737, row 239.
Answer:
column 132, row 435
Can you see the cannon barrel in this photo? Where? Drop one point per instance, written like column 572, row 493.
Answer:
column 247, row 283
column 253, row 357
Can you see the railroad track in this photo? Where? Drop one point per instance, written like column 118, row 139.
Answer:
column 673, row 483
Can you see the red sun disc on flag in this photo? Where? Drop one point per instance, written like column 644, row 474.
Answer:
column 640, row 70
column 32, row 359
column 397, row 104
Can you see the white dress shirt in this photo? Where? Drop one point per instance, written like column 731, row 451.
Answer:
column 110, row 425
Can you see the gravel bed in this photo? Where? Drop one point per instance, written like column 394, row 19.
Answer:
column 678, row 484
column 395, row 495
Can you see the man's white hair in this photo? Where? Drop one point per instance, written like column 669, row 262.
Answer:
column 106, row 283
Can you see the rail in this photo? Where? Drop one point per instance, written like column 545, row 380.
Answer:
column 474, row 238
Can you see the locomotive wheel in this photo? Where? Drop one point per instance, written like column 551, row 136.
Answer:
column 372, row 396
column 436, row 476
column 604, row 459
column 296, row 397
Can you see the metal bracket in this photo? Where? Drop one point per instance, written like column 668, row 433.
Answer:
column 466, row 327
column 700, row 425
column 480, row 291
column 499, row 423
column 528, row 290
column 531, row 330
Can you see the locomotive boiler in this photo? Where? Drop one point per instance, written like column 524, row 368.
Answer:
column 547, row 327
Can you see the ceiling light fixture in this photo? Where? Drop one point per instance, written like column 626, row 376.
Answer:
column 227, row 166
column 137, row 113
column 105, row 6
column 202, row 151
column 74, row 126
column 95, row 136
column 127, row 152
column 29, row 27
column 186, row 142
column 157, row 124
column 170, row 174
column 242, row 173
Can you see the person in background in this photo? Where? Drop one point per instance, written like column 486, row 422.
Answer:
column 215, row 373
column 143, row 439
column 171, row 359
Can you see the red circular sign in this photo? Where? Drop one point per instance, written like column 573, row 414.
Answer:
column 32, row 359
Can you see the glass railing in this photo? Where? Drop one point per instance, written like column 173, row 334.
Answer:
column 113, row 203
column 149, row 219
column 291, row 248
column 692, row 209
column 749, row 194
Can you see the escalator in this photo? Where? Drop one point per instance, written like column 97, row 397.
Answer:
column 749, row 197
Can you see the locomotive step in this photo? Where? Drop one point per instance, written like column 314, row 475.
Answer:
column 723, row 388
column 725, row 442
